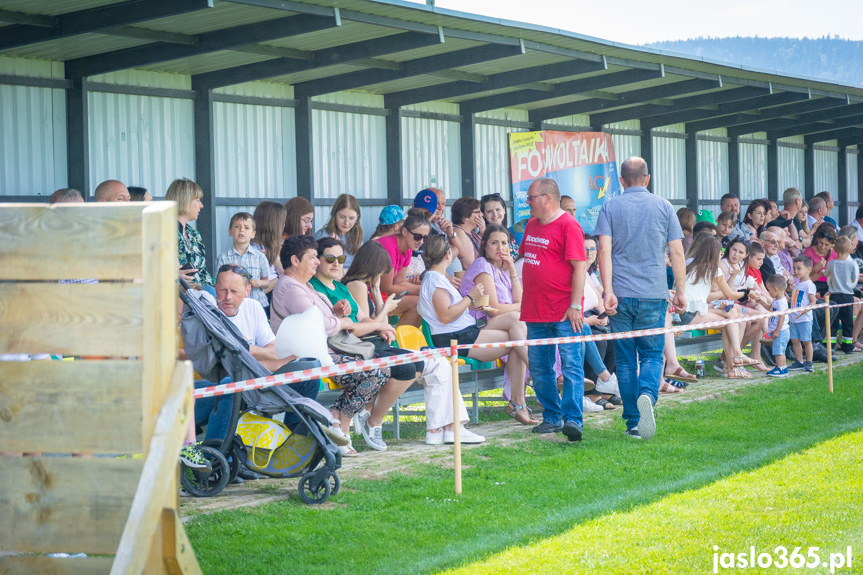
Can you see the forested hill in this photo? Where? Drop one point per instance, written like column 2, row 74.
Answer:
column 830, row 58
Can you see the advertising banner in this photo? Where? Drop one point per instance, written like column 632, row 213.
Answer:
column 582, row 164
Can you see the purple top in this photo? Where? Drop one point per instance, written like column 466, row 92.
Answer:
column 502, row 282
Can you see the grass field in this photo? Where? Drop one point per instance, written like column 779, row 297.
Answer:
column 528, row 493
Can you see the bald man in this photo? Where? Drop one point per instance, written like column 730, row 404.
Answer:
column 112, row 191
column 567, row 204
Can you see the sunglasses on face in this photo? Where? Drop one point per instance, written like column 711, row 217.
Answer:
column 331, row 259
column 418, row 237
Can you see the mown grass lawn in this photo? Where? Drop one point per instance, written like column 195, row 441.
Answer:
column 531, row 490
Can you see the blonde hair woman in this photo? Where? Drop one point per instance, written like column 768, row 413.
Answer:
column 193, row 259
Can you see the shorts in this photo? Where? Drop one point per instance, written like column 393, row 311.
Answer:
column 465, row 336
column 801, row 331
column 780, row 342
column 687, row 317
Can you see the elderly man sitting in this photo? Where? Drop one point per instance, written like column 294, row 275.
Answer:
column 232, row 290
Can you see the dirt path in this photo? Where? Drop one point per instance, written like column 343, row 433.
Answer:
column 403, row 455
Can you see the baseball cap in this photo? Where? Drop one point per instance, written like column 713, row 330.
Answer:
column 391, row 214
column 426, row 199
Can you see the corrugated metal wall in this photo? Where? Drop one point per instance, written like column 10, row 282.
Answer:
column 712, row 168
column 791, row 164
column 491, row 150
column 669, row 164
column 32, row 131
column 255, row 146
column 853, row 181
column 431, row 151
column 625, row 146
column 827, row 174
column 753, row 169
column 349, row 150
column 141, row 140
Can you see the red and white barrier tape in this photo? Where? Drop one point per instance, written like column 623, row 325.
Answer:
column 367, row 364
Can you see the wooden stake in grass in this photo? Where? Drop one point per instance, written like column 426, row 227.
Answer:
column 456, row 425
column 829, row 344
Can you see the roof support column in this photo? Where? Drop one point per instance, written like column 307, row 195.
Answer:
column 773, row 170
column 205, row 171
column 394, row 156
column 78, row 137
column 468, row 161
column 734, row 166
column 842, row 192
column 647, row 153
column 691, row 169
column 305, row 155
column 809, row 171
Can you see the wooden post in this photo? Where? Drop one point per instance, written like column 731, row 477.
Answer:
column 456, row 425
column 829, row 344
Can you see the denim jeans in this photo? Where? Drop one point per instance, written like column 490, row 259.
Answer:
column 644, row 352
column 591, row 353
column 216, row 411
column 556, row 409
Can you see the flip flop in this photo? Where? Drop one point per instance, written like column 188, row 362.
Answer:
column 666, row 387
column 681, row 375
column 607, row 405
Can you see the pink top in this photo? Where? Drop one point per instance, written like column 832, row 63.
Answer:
column 400, row 260
column 291, row 296
column 816, row 258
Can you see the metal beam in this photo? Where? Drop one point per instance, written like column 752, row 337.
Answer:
column 570, row 88
column 152, row 35
column 803, row 107
column 321, row 58
column 78, row 137
column 759, row 107
column 646, row 155
column 678, row 106
column 842, row 191
column 394, row 156
column 410, row 68
column 493, row 82
column 773, row 171
column 205, row 170
column 809, row 172
column 626, row 98
column 810, row 129
column 468, row 157
column 839, row 109
column 304, row 146
column 205, row 43
column 96, row 19
column 692, row 169
column 734, row 166
column 11, row 17
column 852, row 141
column 833, row 135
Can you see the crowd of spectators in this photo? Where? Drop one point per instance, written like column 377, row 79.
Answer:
column 476, row 279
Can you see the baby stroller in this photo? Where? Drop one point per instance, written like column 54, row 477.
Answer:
column 217, row 349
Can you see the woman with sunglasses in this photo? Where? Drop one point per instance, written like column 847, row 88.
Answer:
column 400, row 247
column 821, row 252
column 294, row 294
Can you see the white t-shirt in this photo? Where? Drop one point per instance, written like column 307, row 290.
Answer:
column 433, row 281
column 800, row 298
column 251, row 320
column 696, row 293
column 779, row 304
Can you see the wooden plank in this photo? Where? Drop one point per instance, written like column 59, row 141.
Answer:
column 153, row 489
column 71, row 406
column 65, row 504
column 27, row 565
column 64, row 241
column 160, row 310
column 71, row 319
column 177, row 550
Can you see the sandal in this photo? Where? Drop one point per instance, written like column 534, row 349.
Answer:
column 737, row 373
column 761, row 367
column 678, row 384
column 681, row 375
column 742, row 360
column 604, row 403
column 513, row 410
column 666, row 387
column 615, row 400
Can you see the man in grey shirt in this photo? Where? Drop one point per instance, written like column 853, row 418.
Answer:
column 634, row 229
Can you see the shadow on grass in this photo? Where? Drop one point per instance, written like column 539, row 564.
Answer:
column 534, row 489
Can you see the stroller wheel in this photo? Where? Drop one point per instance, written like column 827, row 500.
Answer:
column 335, row 483
column 233, row 460
column 202, row 484
column 314, row 490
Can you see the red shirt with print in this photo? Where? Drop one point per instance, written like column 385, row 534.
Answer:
column 547, row 272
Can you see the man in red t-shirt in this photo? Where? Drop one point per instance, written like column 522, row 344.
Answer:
column 554, row 272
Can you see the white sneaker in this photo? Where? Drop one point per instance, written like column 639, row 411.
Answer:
column 609, row 386
column 589, row 406
column 374, row 437
column 433, row 438
column 360, row 419
column 466, row 436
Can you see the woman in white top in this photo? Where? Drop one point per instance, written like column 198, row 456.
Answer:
column 447, row 314
column 733, row 267
column 702, row 270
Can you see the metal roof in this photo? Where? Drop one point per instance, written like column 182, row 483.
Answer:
column 413, row 53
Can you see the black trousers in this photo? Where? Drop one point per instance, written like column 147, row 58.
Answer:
column 844, row 315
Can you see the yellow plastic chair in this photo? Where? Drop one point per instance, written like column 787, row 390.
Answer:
column 410, row 337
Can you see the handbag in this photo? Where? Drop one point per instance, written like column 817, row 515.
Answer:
column 350, row 344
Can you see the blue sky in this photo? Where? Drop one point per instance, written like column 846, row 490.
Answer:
column 642, row 21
